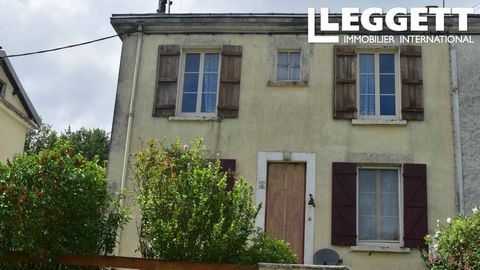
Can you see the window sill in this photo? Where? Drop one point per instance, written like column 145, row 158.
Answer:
column 387, row 122
column 386, row 249
column 287, row 84
column 193, row 118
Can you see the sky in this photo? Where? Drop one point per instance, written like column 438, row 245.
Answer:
column 76, row 87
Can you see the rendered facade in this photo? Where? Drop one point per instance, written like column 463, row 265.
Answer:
column 364, row 132
column 17, row 114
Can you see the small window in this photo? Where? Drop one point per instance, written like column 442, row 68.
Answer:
column 288, row 66
column 378, row 205
column 200, row 83
column 378, row 85
column 3, row 89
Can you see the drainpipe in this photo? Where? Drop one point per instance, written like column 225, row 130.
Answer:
column 129, row 127
column 456, row 129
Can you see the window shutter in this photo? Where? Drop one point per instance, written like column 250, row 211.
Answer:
column 415, row 205
column 167, row 79
column 344, row 203
column 228, row 166
column 345, row 93
column 229, row 93
column 412, row 82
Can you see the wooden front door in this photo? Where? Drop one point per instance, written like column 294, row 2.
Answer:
column 285, row 206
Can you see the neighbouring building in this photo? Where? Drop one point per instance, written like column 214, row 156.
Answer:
column 17, row 114
column 349, row 147
column 466, row 110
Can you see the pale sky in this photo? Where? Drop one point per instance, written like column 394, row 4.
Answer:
column 77, row 86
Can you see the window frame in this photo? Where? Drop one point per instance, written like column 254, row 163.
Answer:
column 3, row 89
column 183, row 56
column 381, row 243
column 300, row 64
column 398, row 99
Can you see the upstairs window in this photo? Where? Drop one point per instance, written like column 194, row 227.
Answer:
column 200, row 83
column 377, row 79
column 288, row 66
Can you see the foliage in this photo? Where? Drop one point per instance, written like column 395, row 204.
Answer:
column 57, row 202
column 187, row 214
column 455, row 245
column 88, row 142
column 265, row 248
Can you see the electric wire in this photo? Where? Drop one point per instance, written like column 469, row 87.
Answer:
column 60, row 48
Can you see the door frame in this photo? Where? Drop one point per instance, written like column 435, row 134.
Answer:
column 261, row 192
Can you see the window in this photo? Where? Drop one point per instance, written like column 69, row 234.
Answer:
column 200, row 83
column 377, row 84
column 3, row 89
column 288, row 66
column 378, row 205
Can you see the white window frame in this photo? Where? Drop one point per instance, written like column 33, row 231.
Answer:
column 398, row 84
column 382, row 243
column 300, row 64
column 202, row 52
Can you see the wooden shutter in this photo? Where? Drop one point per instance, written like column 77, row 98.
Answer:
column 344, row 204
column 345, row 92
column 229, row 93
column 412, row 82
column 415, row 220
column 228, row 166
column 167, row 80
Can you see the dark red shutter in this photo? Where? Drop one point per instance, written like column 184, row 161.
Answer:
column 231, row 72
column 344, row 204
column 415, row 219
column 167, row 77
column 228, row 166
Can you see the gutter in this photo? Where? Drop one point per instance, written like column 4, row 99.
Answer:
column 457, row 143
column 129, row 128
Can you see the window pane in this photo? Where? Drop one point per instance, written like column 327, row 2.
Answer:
column 211, row 62
column 387, row 63
column 190, row 83
column 283, row 58
column 367, row 63
column 387, row 84
column 210, row 81
column 367, row 84
column 367, row 228
column 282, row 73
column 189, row 102
column 389, row 208
column 209, row 103
column 295, row 73
column 192, row 62
column 367, row 204
column 367, row 104
column 295, row 59
column 387, row 105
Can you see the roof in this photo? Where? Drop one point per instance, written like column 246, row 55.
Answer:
column 246, row 23
column 20, row 91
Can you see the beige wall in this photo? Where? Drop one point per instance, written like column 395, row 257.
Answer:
column 299, row 120
column 12, row 127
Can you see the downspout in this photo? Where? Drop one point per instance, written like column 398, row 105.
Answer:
column 456, row 129
column 129, row 127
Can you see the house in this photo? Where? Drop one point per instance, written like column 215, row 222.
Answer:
column 17, row 114
column 466, row 109
column 349, row 147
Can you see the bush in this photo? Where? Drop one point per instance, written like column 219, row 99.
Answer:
column 455, row 245
column 187, row 214
column 54, row 203
column 265, row 248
